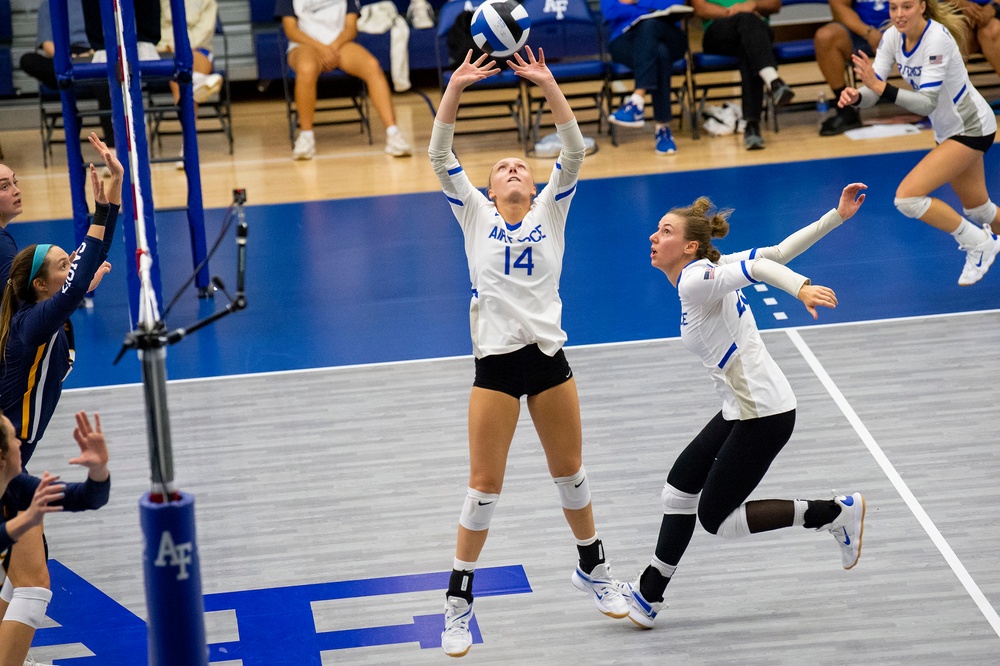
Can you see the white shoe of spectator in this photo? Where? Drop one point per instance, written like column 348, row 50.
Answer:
column 179, row 164
column 210, row 85
column 305, row 147
column 420, row 14
column 397, row 146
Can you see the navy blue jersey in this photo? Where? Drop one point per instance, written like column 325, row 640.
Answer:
column 84, row 496
column 8, row 250
column 40, row 349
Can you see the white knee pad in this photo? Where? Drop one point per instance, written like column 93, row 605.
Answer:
column 28, row 606
column 735, row 524
column 677, row 503
column 981, row 215
column 7, row 591
column 478, row 510
column 574, row 491
column 914, row 207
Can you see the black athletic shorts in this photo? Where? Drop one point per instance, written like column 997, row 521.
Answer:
column 980, row 143
column 527, row 371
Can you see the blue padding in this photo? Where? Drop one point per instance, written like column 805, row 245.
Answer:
column 89, row 70
column 712, row 61
column 572, row 70
column 505, row 79
column 798, row 49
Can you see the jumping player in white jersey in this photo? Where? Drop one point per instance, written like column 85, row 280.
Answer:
column 514, row 241
column 717, row 471
column 925, row 44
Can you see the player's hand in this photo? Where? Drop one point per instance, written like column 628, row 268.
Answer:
column 470, row 72
column 534, row 69
column 48, row 491
column 102, row 270
column 813, row 296
column 850, row 200
column 848, row 97
column 93, row 447
column 866, row 72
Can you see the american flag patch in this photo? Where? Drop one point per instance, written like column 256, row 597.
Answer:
column 710, row 273
column 935, row 60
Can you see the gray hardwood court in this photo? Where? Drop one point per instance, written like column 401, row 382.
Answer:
column 359, row 472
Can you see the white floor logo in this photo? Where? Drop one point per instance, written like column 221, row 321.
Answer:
column 179, row 555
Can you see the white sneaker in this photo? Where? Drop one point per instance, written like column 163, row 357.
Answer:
column 979, row 259
column 607, row 597
column 640, row 611
column 396, row 145
column 420, row 14
column 305, row 148
column 848, row 527
column 456, row 639
column 206, row 88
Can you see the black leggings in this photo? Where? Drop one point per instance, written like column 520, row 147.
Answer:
column 726, row 461
column 750, row 40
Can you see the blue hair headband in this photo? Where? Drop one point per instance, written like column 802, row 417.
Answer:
column 41, row 250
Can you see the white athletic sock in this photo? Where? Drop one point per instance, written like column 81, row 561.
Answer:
column 586, row 542
column 391, row 131
column 969, row 235
column 667, row 570
column 460, row 565
column 799, row 519
column 638, row 100
column 768, row 74
column 306, row 133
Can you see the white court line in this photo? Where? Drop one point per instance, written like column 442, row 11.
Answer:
column 897, row 481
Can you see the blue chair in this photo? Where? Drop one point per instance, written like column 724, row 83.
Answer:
column 483, row 104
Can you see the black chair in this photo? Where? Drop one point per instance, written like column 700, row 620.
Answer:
column 344, row 100
column 50, row 114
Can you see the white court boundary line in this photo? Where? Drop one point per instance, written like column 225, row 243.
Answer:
column 897, row 481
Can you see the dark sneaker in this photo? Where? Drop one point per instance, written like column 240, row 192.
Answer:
column 846, row 119
column 781, row 93
column 752, row 140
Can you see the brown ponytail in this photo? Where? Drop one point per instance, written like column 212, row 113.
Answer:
column 18, row 290
column 698, row 226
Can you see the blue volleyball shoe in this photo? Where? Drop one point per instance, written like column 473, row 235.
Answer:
column 629, row 115
column 849, row 527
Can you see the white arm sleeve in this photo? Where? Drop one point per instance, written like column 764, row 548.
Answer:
column 801, row 240
column 778, row 275
column 573, row 148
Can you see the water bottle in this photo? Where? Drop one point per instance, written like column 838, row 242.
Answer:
column 822, row 109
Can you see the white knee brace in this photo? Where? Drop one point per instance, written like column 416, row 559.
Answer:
column 28, row 606
column 7, row 591
column 914, row 207
column 981, row 215
column 574, row 491
column 677, row 503
column 477, row 510
column 735, row 524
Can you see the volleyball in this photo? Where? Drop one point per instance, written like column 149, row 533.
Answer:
column 500, row 27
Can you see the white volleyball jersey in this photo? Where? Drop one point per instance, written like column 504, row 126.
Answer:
column 718, row 325
column 935, row 65
column 515, row 266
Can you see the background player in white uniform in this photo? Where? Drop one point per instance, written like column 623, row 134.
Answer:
column 925, row 44
column 514, row 241
column 717, row 471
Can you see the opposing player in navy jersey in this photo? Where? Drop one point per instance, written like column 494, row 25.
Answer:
column 715, row 474
column 925, row 44
column 514, row 241
column 25, row 501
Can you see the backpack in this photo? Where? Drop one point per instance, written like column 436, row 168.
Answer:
column 460, row 40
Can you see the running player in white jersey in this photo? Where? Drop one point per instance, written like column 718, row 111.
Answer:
column 514, row 242
column 925, row 44
column 717, row 471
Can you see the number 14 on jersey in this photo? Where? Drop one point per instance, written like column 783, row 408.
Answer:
column 523, row 261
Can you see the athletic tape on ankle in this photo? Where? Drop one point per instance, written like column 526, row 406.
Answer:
column 477, row 512
column 574, row 491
